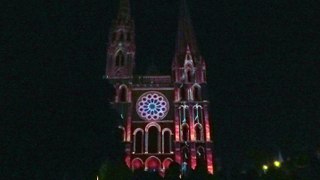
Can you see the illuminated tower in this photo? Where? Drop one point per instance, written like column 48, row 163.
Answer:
column 164, row 118
column 192, row 132
column 121, row 50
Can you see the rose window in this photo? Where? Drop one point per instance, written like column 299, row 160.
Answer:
column 152, row 106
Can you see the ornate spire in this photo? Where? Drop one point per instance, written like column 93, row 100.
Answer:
column 124, row 10
column 186, row 35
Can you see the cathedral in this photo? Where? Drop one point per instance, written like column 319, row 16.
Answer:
column 163, row 118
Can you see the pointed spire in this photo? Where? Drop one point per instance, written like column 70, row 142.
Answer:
column 280, row 158
column 186, row 35
column 124, row 10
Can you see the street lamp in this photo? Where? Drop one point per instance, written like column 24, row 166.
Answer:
column 265, row 168
column 277, row 164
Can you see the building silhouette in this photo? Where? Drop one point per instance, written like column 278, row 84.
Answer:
column 164, row 118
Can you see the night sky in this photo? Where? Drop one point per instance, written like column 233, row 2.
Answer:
column 263, row 62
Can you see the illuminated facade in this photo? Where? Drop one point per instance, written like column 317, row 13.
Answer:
column 164, row 118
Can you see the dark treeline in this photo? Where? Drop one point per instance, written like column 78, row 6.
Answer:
column 290, row 170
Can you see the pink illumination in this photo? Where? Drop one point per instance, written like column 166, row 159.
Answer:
column 177, row 128
column 129, row 129
column 192, row 134
column 168, row 104
column 207, row 124
column 178, row 156
column 137, row 164
column 166, row 163
column 209, row 162
column 193, row 159
column 127, row 160
column 177, row 132
column 153, row 163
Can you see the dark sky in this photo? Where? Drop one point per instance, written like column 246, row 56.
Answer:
column 263, row 65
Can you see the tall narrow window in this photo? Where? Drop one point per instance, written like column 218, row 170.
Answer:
column 120, row 59
column 185, row 132
column 201, row 159
column 123, row 94
column 185, row 155
column 153, row 140
column 198, row 130
column 196, row 93
column 138, row 142
column 182, row 94
column 188, row 57
column 166, row 141
column 189, row 75
column 198, row 115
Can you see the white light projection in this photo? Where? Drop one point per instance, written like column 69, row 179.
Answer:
column 152, row 106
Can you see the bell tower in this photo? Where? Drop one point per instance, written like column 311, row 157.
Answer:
column 121, row 49
column 192, row 132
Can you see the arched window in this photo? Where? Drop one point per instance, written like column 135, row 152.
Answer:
column 196, row 93
column 182, row 94
column 199, row 132
column 153, row 140
column 123, row 94
column 136, row 164
column 166, row 141
column 166, row 163
column 153, row 163
column 138, row 141
column 120, row 59
column 201, row 157
column 189, row 75
column 185, row 132
column 198, row 114
column 185, row 155
column 188, row 57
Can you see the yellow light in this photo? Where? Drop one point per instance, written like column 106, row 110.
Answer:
column 265, row 167
column 277, row 164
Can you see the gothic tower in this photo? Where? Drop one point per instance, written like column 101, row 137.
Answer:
column 121, row 50
column 192, row 135
column 164, row 118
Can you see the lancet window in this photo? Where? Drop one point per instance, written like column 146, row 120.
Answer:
column 166, row 141
column 196, row 92
column 198, row 113
column 199, row 132
column 123, row 93
column 183, row 113
column 120, row 59
column 185, row 132
column 153, row 138
column 138, row 141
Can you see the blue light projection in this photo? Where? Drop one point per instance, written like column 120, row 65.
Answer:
column 152, row 106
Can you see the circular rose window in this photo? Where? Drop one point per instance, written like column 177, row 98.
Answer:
column 152, row 106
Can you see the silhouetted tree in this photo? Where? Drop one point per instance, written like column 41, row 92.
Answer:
column 173, row 172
